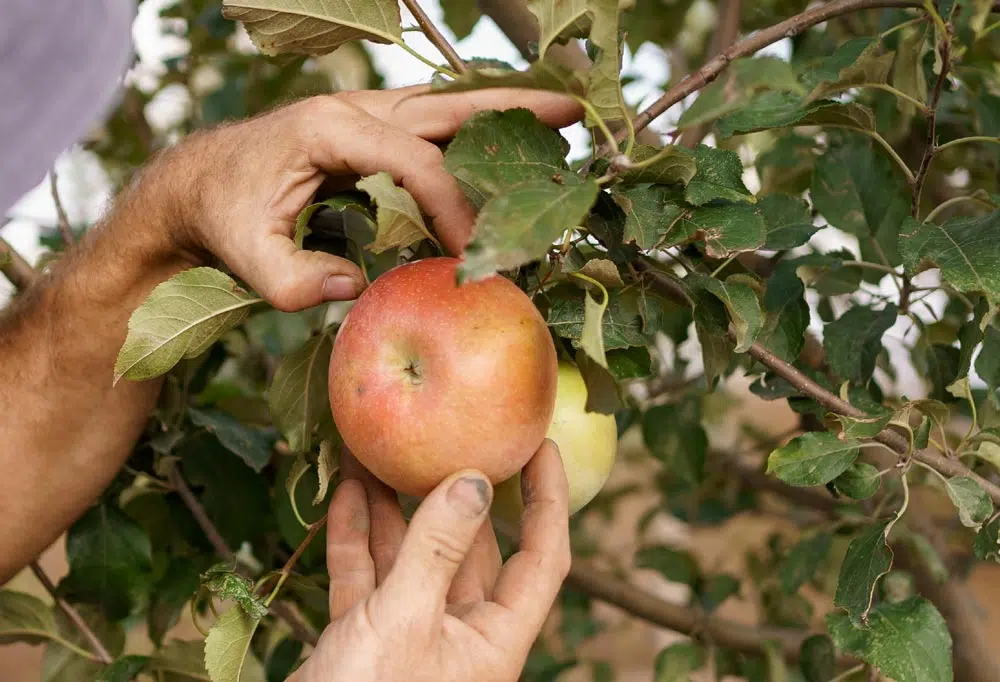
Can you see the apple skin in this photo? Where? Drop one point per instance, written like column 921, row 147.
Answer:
column 428, row 377
column 588, row 444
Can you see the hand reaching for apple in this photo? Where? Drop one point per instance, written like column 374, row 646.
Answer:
column 432, row 603
column 236, row 191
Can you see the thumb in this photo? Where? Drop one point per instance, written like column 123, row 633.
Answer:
column 293, row 279
column 440, row 536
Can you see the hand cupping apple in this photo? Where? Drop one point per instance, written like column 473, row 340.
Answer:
column 428, row 378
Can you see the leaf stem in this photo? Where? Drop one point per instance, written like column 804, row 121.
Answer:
column 438, row 68
column 100, row 652
column 898, row 27
column 848, row 673
column 723, row 265
column 435, row 36
column 886, row 146
column 887, row 88
column 957, row 200
column 598, row 121
column 867, row 265
column 967, row 140
column 286, row 570
column 902, row 507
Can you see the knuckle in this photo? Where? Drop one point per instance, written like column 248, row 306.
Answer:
column 445, row 547
column 429, row 155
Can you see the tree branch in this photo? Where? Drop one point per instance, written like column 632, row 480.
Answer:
column 785, row 29
column 689, row 621
column 283, row 611
column 726, row 33
column 930, row 147
column 14, row 267
column 62, row 220
column 435, row 36
column 95, row 642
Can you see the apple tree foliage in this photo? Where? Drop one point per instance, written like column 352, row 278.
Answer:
column 877, row 131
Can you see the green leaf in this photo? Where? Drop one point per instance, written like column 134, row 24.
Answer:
column 987, row 543
column 61, row 664
column 543, row 74
column 181, row 660
column 519, row 226
column 604, row 89
column 252, row 445
column 801, row 562
column 24, row 618
column 592, row 336
column 674, row 165
column 169, row 596
column 965, row 249
column 621, row 322
column 181, row 318
column 651, row 211
column 339, row 203
column 558, row 22
column 711, row 323
column 787, row 314
column 603, row 394
column 771, row 110
column 283, row 659
column 226, row 583
column 737, row 85
column 858, row 190
column 314, row 27
column 495, row 151
column 227, row 645
column 908, row 69
column 988, row 362
column 234, row 497
column 124, row 669
column 787, row 221
column 110, row 561
column 853, row 341
column 719, row 176
column 859, row 482
column 818, row 659
column 741, row 303
column 868, row 67
column 907, row 641
column 726, row 229
column 864, row 427
column 630, row 363
column 299, row 398
column 716, row 589
column 672, row 564
column 398, row 218
column 814, row 458
column 973, row 504
column 461, row 16
column 674, row 435
column 676, row 662
column 868, row 559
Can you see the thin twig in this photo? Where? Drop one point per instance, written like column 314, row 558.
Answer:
column 95, row 642
column 283, row 611
column 286, row 570
column 62, row 219
column 14, row 267
column 930, row 145
column 435, row 36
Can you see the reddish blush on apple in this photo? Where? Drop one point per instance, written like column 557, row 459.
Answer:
column 428, row 377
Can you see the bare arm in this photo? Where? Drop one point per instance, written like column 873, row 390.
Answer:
column 234, row 193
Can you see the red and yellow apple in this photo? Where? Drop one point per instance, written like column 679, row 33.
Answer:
column 428, row 377
column 588, row 443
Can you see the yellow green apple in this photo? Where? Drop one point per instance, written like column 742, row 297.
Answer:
column 588, row 442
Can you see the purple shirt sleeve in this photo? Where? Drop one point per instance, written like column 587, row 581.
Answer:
column 61, row 65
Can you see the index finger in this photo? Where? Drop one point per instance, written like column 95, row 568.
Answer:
column 438, row 117
column 530, row 580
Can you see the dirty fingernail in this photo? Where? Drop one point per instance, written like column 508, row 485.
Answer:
column 469, row 495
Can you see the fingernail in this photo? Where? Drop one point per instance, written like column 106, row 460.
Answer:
column 469, row 496
column 339, row 288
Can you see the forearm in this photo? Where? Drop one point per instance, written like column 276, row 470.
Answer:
column 65, row 429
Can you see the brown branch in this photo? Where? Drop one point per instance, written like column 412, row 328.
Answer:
column 435, row 36
column 62, row 220
column 283, row 611
column 689, row 621
column 785, row 29
column 672, row 289
column 726, row 33
column 15, row 267
column 95, row 642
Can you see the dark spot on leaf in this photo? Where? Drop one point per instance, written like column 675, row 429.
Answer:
column 492, row 149
column 557, row 178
